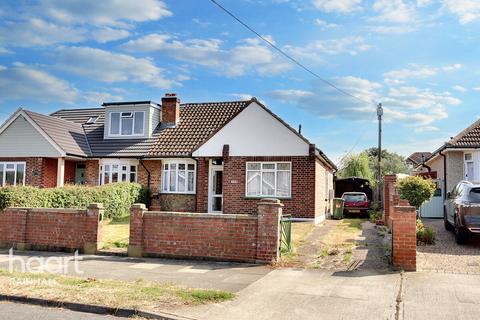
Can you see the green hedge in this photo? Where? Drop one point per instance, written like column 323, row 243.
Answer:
column 117, row 198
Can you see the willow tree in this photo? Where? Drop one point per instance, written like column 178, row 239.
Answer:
column 357, row 166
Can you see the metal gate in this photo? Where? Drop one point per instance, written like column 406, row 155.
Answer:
column 434, row 208
column 285, row 234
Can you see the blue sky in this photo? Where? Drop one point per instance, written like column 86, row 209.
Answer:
column 419, row 58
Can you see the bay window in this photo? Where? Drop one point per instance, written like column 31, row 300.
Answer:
column 127, row 123
column 12, row 174
column 268, row 179
column 118, row 172
column 179, row 176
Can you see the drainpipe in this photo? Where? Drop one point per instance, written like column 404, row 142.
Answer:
column 444, row 174
column 148, row 173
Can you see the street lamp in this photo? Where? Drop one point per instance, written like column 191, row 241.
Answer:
column 379, row 169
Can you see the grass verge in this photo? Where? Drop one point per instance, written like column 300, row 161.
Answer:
column 111, row 293
column 116, row 233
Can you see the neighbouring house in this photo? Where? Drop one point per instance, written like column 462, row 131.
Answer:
column 195, row 157
column 416, row 159
column 456, row 160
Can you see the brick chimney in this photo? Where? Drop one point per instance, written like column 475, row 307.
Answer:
column 170, row 109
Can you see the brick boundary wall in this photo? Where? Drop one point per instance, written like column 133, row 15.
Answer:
column 51, row 229
column 404, row 234
column 389, row 192
column 227, row 237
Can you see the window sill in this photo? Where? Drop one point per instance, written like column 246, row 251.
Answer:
column 264, row 197
column 178, row 193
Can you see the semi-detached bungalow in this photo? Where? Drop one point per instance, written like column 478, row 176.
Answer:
column 196, row 157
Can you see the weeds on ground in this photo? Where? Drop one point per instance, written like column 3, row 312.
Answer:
column 425, row 235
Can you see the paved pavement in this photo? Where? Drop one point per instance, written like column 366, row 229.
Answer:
column 230, row 277
column 446, row 255
column 17, row 311
column 310, row 294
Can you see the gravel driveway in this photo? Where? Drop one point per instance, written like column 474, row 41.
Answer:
column 446, row 255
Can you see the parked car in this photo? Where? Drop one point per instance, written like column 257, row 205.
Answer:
column 355, row 202
column 462, row 210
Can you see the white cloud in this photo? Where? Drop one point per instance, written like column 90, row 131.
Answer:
column 418, row 72
column 111, row 67
column 317, row 50
column 290, row 94
column 394, row 11
column 242, row 96
column 97, row 98
column 426, row 129
column 23, row 82
column 341, row 6
column 476, row 89
column 108, row 34
column 392, row 29
column 37, row 32
column 324, row 24
column 248, row 54
column 5, row 51
column 459, row 88
column 105, row 12
column 466, row 10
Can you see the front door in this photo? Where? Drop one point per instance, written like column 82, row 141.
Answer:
column 216, row 189
column 80, row 174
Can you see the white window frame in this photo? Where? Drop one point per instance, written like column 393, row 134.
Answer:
column 165, row 188
column 465, row 166
column 134, row 115
column 261, row 178
column 120, row 171
column 15, row 165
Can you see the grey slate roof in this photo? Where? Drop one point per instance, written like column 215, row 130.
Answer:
column 417, row 157
column 99, row 146
column 468, row 138
column 68, row 135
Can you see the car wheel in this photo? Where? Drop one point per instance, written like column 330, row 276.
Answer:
column 461, row 235
column 447, row 224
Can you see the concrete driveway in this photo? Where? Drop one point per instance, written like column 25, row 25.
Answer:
column 446, row 255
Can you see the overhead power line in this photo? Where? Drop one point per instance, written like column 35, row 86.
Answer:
column 289, row 57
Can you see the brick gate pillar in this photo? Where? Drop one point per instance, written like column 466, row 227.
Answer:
column 268, row 230
column 93, row 228
column 404, row 234
column 135, row 245
column 389, row 191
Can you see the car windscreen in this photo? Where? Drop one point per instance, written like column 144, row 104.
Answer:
column 354, row 197
column 474, row 195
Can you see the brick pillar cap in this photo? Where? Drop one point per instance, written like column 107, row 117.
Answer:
column 270, row 201
column 139, row 206
column 95, row 206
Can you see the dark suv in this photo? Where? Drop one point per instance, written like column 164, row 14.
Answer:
column 462, row 210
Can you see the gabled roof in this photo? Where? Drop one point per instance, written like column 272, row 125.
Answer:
column 68, row 130
column 417, row 157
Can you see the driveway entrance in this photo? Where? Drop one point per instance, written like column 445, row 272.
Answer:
column 446, row 255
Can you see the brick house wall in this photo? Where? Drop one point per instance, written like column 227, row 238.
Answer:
column 92, row 172
column 301, row 204
column 70, row 170
column 40, row 172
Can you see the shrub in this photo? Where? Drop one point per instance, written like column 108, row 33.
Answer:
column 425, row 235
column 416, row 190
column 117, row 198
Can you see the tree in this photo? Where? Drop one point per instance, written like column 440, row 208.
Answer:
column 392, row 163
column 357, row 166
column 416, row 190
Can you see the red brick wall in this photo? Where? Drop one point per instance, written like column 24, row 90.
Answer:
column 49, row 173
column 202, row 184
column 70, row 168
column 300, row 205
column 92, row 172
column 213, row 236
column 45, row 229
column 389, row 192
column 404, row 237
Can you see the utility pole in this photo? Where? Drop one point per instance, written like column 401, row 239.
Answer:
column 379, row 168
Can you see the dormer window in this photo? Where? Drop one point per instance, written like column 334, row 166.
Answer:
column 127, row 124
